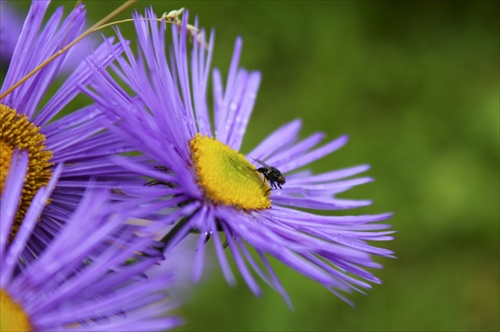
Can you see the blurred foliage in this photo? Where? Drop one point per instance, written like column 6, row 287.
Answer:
column 415, row 84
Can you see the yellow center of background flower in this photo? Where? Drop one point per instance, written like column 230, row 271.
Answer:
column 226, row 177
column 13, row 317
column 17, row 132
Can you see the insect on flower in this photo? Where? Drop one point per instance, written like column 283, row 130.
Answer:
column 273, row 175
column 218, row 192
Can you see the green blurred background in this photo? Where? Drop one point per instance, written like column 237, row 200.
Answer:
column 416, row 86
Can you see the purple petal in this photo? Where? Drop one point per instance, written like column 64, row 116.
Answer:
column 282, row 137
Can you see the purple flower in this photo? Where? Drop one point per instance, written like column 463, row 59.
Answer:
column 213, row 189
column 91, row 277
column 29, row 123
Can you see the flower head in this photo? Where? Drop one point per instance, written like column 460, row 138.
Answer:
column 90, row 276
column 255, row 200
column 77, row 139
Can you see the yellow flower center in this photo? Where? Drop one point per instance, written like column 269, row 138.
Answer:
column 17, row 132
column 13, row 317
column 226, row 177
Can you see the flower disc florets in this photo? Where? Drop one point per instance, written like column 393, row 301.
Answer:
column 13, row 316
column 17, row 132
column 226, row 176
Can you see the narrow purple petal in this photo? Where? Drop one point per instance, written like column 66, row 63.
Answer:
column 26, row 227
column 201, row 244
column 320, row 203
column 223, row 109
column 280, row 138
column 221, row 255
column 297, row 150
column 81, row 76
column 242, row 115
column 329, row 176
column 314, row 155
column 240, row 263
column 11, row 195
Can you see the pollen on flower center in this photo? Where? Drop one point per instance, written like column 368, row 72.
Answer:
column 17, row 132
column 226, row 177
column 13, row 316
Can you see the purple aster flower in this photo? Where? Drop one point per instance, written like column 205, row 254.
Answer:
column 256, row 200
column 28, row 123
column 90, row 277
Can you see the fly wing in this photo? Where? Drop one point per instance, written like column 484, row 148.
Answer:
column 262, row 163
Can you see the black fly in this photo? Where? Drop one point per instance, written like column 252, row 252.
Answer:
column 273, row 175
